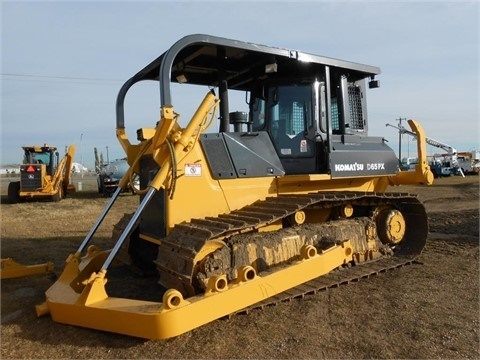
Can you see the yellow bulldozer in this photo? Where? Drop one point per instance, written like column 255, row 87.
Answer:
column 285, row 198
column 43, row 175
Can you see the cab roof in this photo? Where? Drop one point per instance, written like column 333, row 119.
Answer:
column 207, row 60
column 39, row 149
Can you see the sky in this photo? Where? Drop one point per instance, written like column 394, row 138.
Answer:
column 63, row 63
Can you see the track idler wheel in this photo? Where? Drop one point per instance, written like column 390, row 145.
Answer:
column 391, row 226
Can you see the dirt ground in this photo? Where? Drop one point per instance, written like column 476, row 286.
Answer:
column 426, row 310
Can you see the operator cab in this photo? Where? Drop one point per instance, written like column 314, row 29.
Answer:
column 41, row 155
column 307, row 122
column 311, row 107
column 296, row 117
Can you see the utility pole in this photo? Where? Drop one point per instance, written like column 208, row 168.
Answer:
column 108, row 160
column 81, row 154
column 400, row 139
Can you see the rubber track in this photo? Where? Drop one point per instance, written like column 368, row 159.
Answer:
column 178, row 249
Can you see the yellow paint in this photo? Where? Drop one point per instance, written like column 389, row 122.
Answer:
column 79, row 296
column 53, row 184
column 11, row 269
column 93, row 308
column 422, row 173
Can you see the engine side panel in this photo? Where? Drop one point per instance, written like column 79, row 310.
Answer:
column 354, row 156
column 241, row 155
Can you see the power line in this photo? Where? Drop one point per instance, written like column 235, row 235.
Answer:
column 58, row 77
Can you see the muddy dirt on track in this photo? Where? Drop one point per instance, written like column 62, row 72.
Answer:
column 426, row 310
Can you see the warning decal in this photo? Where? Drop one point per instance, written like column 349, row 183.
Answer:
column 303, row 146
column 193, row 170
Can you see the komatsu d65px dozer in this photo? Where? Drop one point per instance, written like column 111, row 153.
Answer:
column 271, row 206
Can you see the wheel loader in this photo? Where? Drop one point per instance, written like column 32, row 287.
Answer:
column 43, row 175
column 284, row 197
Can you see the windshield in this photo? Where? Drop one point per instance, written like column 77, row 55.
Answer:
column 37, row 158
column 290, row 118
column 290, row 109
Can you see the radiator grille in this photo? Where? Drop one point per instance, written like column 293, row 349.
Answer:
column 355, row 103
column 30, row 177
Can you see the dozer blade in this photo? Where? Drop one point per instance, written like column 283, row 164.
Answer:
column 11, row 269
column 79, row 296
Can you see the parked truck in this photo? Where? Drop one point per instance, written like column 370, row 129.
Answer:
column 109, row 175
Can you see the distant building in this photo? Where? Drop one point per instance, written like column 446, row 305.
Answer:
column 78, row 168
column 9, row 169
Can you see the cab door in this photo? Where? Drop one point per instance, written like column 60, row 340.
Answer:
column 290, row 123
